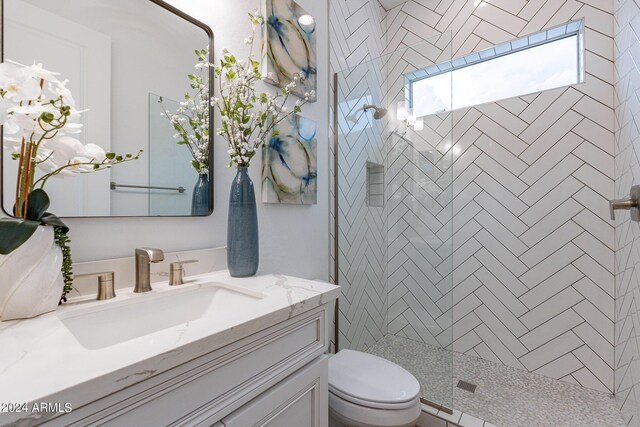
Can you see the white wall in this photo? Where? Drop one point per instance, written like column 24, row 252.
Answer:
column 293, row 239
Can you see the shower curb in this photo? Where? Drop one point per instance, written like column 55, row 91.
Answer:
column 432, row 417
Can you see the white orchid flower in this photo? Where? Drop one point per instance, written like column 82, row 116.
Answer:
column 24, row 119
column 61, row 151
column 60, row 89
column 19, row 83
column 79, row 166
column 72, row 128
column 95, row 152
column 73, row 114
column 11, row 127
column 34, row 110
column 4, row 112
column 39, row 72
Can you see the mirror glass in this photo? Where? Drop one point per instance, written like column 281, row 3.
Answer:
column 120, row 59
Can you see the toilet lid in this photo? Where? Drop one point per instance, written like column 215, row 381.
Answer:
column 371, row 381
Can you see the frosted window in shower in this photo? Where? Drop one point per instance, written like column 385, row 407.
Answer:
column 542, row 61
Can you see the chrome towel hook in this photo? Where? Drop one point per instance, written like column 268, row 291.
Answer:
column 631, row 204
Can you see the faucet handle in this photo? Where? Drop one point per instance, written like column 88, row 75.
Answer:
column 176, row 272
column 106, row 284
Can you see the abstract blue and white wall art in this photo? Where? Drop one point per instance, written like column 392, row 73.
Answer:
column 289, row 45
column 289, row 172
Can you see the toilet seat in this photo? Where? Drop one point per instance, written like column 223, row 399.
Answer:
column 371, row 381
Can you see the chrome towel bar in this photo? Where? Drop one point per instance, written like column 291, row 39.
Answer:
column 114, row 186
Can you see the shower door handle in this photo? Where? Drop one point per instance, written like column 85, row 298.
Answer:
column 631, row 203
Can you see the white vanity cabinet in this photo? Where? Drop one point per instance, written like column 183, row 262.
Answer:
column 276, row 377
column 300, row 401
column 251, row 354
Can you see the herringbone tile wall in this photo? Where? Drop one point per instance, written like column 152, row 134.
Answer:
column 419, row 210
column 357, row 38
column 533, row 245
column 627, row 236
column 533, row 248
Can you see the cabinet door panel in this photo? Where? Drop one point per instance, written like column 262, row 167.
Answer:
column 300, row 400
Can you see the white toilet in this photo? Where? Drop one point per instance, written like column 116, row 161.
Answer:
column 369, row 391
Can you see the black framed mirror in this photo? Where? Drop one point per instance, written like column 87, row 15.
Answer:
column 130, row 65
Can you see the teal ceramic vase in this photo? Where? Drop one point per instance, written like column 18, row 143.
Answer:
column 242, row 230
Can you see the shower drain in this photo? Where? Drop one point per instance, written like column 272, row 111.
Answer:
column 467, row 386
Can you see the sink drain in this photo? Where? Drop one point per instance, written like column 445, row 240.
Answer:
column 467, row 386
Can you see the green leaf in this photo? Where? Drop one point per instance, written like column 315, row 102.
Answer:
column 38, row 204
column 15, row 232
column 51, row 219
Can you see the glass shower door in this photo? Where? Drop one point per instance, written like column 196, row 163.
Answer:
column 394, row 212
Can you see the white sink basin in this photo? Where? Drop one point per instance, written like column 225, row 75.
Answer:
column 143, row 314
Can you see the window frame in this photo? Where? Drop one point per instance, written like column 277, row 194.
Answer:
column 550, row 35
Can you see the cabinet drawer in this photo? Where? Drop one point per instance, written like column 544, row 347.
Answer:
column 214, row 385
column 301, row 400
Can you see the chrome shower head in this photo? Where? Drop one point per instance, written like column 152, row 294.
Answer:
column 378, row 113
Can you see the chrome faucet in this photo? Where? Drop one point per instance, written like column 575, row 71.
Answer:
column 145, row 256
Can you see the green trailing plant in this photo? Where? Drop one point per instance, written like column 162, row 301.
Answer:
column 62, row 240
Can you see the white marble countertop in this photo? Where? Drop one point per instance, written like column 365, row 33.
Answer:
column 42, row 361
